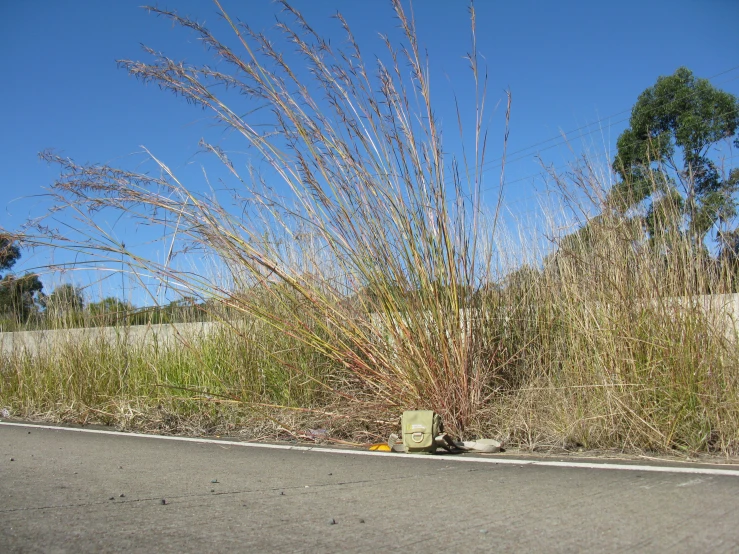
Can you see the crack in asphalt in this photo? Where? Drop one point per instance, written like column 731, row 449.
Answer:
column 209, row 494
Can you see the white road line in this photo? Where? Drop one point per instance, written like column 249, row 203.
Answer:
column 693, row 470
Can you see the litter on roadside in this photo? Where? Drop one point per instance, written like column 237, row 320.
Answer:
column 423, row 433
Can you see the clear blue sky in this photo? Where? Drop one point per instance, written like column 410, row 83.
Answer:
column 567, row 64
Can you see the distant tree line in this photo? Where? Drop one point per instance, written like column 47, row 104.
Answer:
column 24, row 304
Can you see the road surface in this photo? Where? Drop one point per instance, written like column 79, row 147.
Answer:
column 68, row 491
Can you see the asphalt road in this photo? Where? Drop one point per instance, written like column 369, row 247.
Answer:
column 64, row 491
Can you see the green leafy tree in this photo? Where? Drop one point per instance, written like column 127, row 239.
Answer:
column 109, row 311
column 9, row 252
column 64, row 299
column 109, row 305
column 663, row 158
column 20, row 297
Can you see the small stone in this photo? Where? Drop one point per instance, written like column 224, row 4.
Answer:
column 332, row 521
column 330, row 473
column 12, row 459
column 214, row 481
column 111, row 498
column 282, row 493
column 75, row 473
column 212, row 490
column 29, row 432
column 122, row 495
column 163, row 501
column 120, row 467
column 483, row 531
column 361, row 521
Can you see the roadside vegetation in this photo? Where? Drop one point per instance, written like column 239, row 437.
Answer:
column 361, row 274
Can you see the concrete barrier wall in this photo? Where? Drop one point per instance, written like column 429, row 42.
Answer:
column 34, row 342
column 723, row 310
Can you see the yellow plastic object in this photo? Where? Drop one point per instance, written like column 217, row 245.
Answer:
column 381, row 447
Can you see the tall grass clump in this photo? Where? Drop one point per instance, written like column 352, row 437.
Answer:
column 363, row 240
column 622, row 338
